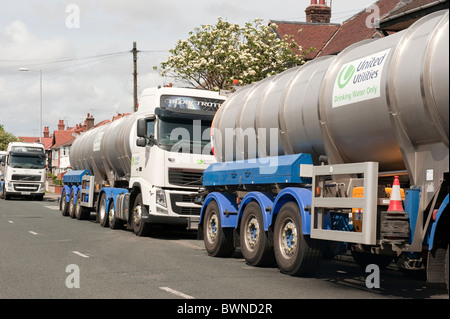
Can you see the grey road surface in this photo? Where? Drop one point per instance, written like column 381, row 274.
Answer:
column 46, row 255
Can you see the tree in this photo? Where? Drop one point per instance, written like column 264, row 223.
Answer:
column 5, row 138
column 214, row 55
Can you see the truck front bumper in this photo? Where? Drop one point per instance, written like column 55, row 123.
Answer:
column 24, row 189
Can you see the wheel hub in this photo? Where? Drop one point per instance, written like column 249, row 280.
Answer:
column 252, row 233
column 289, row 239
column 111, row 214
column 212, row 228
column 137, row 215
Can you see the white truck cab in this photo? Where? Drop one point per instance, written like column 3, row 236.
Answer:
column 23, row 168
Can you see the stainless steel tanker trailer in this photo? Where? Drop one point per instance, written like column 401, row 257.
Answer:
column 143, row 168
column 309, row 160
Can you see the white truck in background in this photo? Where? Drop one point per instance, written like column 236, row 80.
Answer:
column 23, row 170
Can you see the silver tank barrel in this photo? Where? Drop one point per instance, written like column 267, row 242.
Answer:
column 106, row 150
column 343, row 106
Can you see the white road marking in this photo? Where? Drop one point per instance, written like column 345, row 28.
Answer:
column 80, row 254
column 52, row 207
column 10, row 221
column 33, row 233
column 176, row 293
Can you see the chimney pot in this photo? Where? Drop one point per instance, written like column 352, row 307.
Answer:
column 89, row 122
column 318, row 13
column 61, row 125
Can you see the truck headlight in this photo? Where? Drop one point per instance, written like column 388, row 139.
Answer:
column 161, row 197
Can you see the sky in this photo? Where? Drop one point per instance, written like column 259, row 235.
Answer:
column 83, row 50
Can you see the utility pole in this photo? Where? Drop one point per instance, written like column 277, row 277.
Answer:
column 135, row 51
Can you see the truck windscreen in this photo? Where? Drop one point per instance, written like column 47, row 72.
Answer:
column 184, row 135
column 27, row 161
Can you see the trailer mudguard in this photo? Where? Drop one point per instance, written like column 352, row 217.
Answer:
column 302, row 197
column 265, row 202
column 436, row 222
column 67, row 190
column 111, row 194
column 75, row 189
column 228, row 208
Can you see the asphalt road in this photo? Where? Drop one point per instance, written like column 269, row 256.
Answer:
column 46, row 255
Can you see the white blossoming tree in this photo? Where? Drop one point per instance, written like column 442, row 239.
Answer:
column 214, row 55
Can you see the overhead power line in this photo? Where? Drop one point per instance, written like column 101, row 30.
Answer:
column 59, row 60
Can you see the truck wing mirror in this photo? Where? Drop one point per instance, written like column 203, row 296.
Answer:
column 144, row 141
column 142, row 128
column 141, row 141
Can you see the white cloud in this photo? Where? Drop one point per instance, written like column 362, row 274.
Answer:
column 17, row 41
column 71, row 89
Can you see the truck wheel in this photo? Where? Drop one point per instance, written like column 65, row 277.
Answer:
column 5, row 195
column 114, row 222
column 295, row 253
column 81, row 212
column 63, row 204
column 140, row 228
column 254, row 240
column 103, row 212
column 72, row 204
column 218, row 241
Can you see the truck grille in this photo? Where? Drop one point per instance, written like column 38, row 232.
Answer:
column 26, row 187
column 184, row 177
column 31, row 178
column 174, row 198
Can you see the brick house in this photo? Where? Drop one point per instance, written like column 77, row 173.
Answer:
column 62, row 139
column 331, row 38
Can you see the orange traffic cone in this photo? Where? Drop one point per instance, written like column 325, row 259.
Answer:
column 395, row 203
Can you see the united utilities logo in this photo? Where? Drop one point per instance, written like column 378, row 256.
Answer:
column 345, row 76
column 360, row 79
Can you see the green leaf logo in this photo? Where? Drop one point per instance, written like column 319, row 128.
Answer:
column 345, row 76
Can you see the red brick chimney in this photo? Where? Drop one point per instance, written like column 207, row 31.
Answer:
column 318, row 12
column 46, row 132
column 61, row 125
column 89, row 122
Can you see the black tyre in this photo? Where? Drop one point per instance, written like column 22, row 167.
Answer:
column 81, row 212
column 103, row 212
column 114, row 222
column 63, row 207
column 218, row 241
column 71, row 209
column 140, row 228
column 255, row 246
column 5, row 195
column 295, row 253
